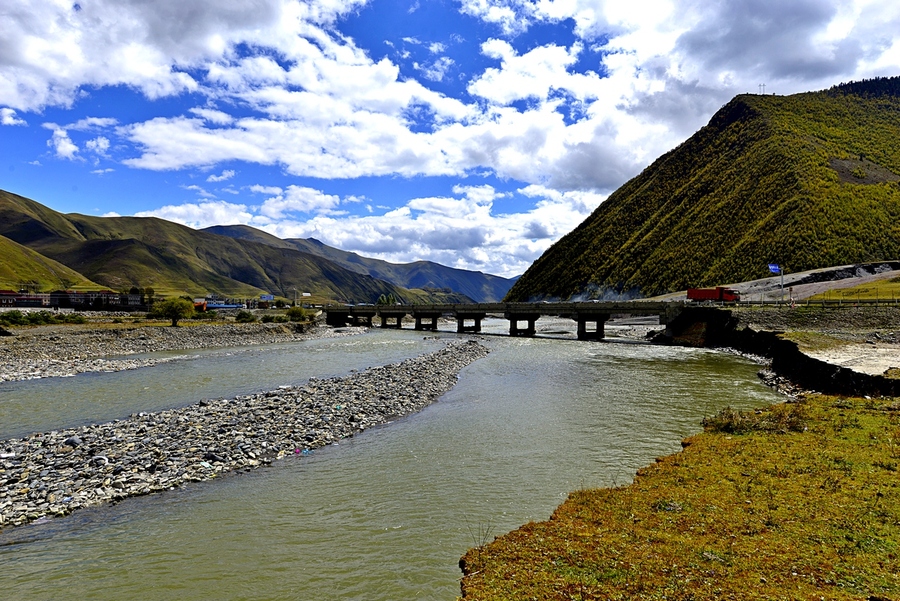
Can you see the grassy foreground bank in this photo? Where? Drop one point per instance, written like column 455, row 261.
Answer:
column 795, row 501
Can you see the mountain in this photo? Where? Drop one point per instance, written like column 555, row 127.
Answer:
column 481, row 287
column 22, row 267
column 805, row 181
column 120, row 252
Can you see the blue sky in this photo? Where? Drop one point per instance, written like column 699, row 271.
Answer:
column 474, row 133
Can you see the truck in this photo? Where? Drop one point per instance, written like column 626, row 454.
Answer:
column 719, row 294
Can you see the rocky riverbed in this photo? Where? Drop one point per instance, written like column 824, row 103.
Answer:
column 54, row 473
column 58, row 351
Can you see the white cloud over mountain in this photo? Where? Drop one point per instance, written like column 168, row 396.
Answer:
column 279, row 84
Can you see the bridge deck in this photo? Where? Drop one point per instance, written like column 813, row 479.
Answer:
column 426, row 315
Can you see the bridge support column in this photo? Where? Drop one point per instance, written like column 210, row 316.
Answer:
column 386, row 320
column 336, row 318
column 598, row 332
column 421, row 323
column 361, row 320
column 515, row 318
column 461, row 318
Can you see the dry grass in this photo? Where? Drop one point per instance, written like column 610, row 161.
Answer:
column 885, row 290
column 799, row 501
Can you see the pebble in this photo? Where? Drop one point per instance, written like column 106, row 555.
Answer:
column 54, row 473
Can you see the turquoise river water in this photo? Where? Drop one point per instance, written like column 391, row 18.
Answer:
column 384, row 515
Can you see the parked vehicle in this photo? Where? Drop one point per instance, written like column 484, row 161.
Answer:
column 719, row 293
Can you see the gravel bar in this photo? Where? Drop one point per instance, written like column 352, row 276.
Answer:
column 59, row 351
column 54, row 473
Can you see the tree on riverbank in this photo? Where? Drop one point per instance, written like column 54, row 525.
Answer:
column 175, row 309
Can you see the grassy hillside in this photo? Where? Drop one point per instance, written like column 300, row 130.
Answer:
column 806, row 181
column 19, row 265
column 122, row 252
column 478, row 286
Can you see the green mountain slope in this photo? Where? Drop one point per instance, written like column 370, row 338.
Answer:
column 19, row 265
column 480, row 287
column 120, row 252
column 805, row 181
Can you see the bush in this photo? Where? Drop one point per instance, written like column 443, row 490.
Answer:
column 39, row 318
column 781, row 419
column 175, row 309
column 206, row 315
column 245, row 317
column 274, row 319
column 296, row 314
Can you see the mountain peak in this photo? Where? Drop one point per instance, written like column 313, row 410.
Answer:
column 806, row 181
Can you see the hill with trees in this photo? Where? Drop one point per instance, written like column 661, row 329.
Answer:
column 805, row 181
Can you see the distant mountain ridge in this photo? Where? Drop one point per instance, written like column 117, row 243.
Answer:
column 804, row 181
column 480, row 287
column 120, row 252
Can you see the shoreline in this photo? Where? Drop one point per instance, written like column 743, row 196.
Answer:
column 795, row 500
column 64, row 351
column 51, row 474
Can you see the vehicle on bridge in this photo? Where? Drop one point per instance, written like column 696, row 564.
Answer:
column 719, row 293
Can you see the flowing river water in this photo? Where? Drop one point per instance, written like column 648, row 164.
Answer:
column 384, row 515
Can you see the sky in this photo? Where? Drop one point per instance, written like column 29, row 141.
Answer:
column 473, row 133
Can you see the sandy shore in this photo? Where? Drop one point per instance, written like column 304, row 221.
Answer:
column 872, row 359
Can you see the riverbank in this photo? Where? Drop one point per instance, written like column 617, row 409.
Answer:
column 55, row 473
column 60, row 351
column 796, row 501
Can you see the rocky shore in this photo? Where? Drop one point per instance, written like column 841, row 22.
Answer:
column 55, row 473
column 58, row 351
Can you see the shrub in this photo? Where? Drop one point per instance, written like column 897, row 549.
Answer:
column 206, row 315
column 274, row 319
column 175, row 309
column 296, row 314
column 781, row 419
column 245, row 317
column 39, row 318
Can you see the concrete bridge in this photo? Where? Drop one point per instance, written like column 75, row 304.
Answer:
column 590, row 316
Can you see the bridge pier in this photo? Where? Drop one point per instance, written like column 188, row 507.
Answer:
column 598, row 332
column 515, row 318
column 337, row 318
column 361, row 320
column 420, row 321
column 461, row 318
column 387, row 317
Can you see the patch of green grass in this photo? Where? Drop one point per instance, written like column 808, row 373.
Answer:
column 813, row 341
column 756, row 507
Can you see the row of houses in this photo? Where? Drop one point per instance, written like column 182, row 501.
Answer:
column 98, row 300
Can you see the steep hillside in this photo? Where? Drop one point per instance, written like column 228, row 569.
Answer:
column 21, row 266
column 805, row 181
column 478, row 286
column 121, row 252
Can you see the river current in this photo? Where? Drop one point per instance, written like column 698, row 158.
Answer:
column 384, row 515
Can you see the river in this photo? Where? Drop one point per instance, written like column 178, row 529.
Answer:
column 386, row 514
